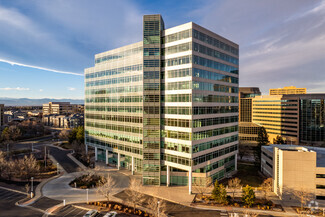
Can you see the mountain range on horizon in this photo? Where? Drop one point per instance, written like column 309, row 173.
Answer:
column 35, row 102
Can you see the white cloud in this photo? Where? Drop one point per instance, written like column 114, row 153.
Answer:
column 38, row 67
column 41, row 90
column 14, row 88
column 71, row 88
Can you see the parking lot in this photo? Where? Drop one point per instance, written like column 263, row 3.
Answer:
column 8, row 207
column 72, row 211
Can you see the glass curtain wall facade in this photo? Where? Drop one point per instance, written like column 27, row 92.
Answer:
column 166, row 107
column 312, row 119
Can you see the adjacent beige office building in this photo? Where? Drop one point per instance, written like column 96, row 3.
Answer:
column 57, row 108
column 287, row 90
column 295, row 169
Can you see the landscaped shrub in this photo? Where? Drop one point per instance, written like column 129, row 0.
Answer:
column 87, row 181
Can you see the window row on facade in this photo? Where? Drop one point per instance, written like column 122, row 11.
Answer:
column 115, row 136
column 114, row 99
column 215, row 143
column 198, row 135
column 123, row 109
column 126, row 89
column 115, row 71
column 115, row 127
column 198, row 122
column 215, row 42
column 119, row 80
column 129, row 119
column 122, row 147
column 215, row 154
column 215, row 165
column 119, row 55
column 177, row 110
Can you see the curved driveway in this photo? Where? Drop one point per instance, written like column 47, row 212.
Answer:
column 59, row 188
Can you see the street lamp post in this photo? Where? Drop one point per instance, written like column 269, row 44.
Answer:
column 87, row 195
column 32, row 187
column 32, row 146
column 158, row 208
column 57, row 168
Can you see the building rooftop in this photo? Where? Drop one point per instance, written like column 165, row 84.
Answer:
column 319, row 151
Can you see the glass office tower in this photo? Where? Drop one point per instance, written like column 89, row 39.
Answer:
column 166, row 107
column 312, row 119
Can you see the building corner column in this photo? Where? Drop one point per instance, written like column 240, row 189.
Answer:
column 190, row 181
column 132, row 165
column 118, row 161
column 236, row 161
column 86, row 148
column 106, row 157
column 96, row 154
column 168, row 176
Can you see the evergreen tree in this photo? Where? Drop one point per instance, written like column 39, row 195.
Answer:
column 262, row 139
column 248, row 196
column 279, row 140
column 219, row 193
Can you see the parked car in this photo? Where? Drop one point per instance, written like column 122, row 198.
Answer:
column 110, row 214
column 91, row 213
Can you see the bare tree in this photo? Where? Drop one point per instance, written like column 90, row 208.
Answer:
column 250, row 213
column 28, row 166
column 233, row 185
column 64, row 135
column 27, row 188
column 158, row 207
column 10, row 169
column 202, row 185
column 3, row 163
column 134, row 195
column 266, row 186
column 303, row 195
column 106, row 187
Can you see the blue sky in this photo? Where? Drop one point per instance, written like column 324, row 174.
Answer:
column 46, row 44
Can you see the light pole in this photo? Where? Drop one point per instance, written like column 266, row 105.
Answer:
column 32, row 187
column 158, row 207
column 32, row 146
column 57, row 168
column 87, row 195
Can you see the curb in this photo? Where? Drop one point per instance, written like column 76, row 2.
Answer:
column 77, row 162
column 55, row 162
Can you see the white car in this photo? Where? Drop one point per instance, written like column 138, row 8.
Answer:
column 91, row 213
column 110, row 214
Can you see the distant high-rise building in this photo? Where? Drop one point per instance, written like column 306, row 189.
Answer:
column 57, row 108
column 287, row 90
column 279, row 115
column 312, row 119
column 298, row 118
column 166, row 107
column 248, row 131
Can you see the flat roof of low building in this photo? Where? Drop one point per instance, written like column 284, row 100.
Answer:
column 320, row 152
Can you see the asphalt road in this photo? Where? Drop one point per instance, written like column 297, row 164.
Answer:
column 9, row 209
column 61, row 156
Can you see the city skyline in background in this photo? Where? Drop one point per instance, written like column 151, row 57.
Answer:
column 46, row 45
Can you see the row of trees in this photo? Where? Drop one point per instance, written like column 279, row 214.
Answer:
column 25, row 129
column 135, row 197
column 23, row 168
column 219, row 191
